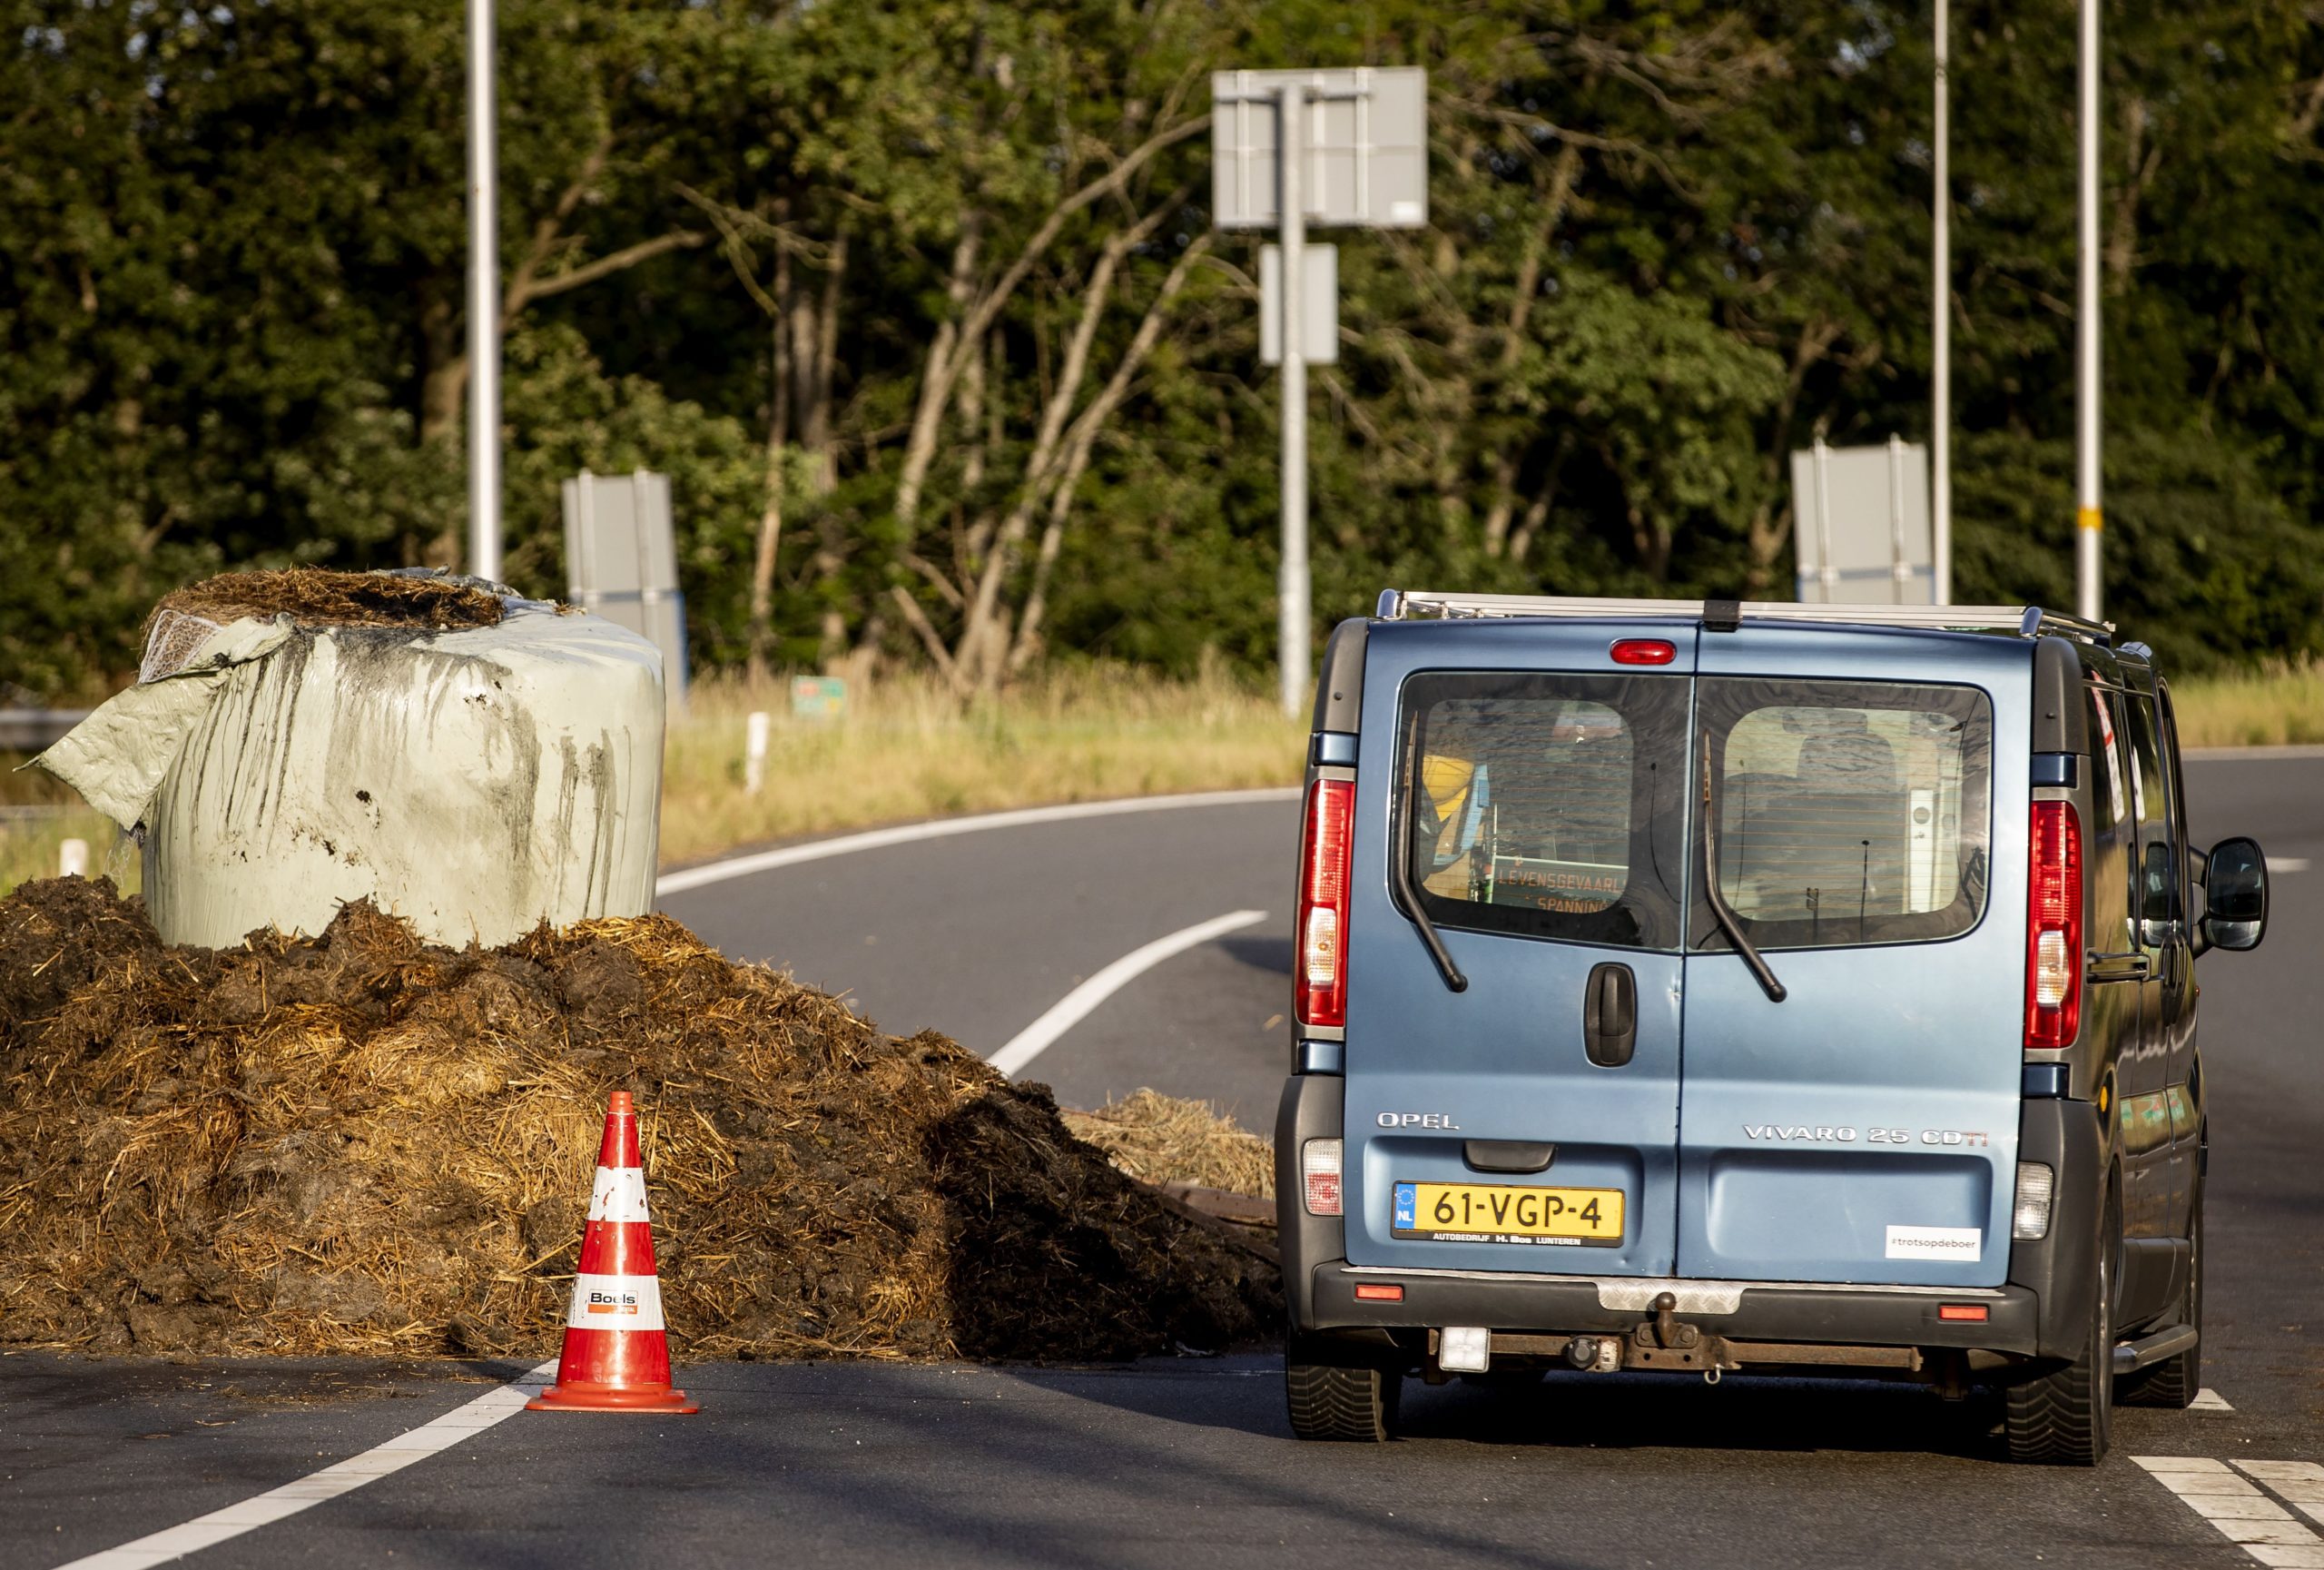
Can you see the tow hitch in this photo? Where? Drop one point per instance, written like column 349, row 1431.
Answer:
column 1665, row 1341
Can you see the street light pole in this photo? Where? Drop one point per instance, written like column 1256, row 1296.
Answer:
column 1292, row 592
column 1940, row 436
column 483, row 300
column 2089, row 599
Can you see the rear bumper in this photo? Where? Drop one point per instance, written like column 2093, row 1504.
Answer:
column 2042, row 1310
column 1742, row 1311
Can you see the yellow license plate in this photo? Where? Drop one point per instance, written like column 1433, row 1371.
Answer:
column 1491, row 1213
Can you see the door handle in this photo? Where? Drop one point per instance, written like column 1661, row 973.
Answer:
column 1610, row 1016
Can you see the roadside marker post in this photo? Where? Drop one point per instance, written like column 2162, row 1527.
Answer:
column 754, row 734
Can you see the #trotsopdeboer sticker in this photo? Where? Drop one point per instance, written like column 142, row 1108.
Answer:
column 1936, row 1243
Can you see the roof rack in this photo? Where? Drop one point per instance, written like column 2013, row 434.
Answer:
column 2018, row 620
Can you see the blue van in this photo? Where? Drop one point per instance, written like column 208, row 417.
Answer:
column 1702, row 987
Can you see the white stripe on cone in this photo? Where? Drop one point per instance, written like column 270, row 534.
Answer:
column 614, row 1303
column 619, row 1195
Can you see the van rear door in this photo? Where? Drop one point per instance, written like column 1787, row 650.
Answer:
column 1871, row 799
column 1534, row 787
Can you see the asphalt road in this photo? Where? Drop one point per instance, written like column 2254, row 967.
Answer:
column 978, row 934
column 1159, row 1463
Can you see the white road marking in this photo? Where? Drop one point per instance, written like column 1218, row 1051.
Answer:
column 1075, row 1006
column 2241, row 1512
column 2208, row 1400
column 2300, row 1483
column 943, row 828
column 2287, row 863
column 263, row 1509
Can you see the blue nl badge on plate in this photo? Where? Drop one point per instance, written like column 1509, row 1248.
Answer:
column 1405, row 1201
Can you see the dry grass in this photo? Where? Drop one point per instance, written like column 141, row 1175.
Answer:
column 1159, row 1138
column 2280, row 704
column 32, row 845
column 38, row 813
column 907, row 749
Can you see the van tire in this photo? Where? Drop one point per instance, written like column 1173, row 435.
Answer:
column 2066, row 1417
column 2176, row 1381
column 1330, row 1402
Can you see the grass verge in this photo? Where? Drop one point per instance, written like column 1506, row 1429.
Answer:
column 38, row 814
column 907, row 749
column 2279, row 704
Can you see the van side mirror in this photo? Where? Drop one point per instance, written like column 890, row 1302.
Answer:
column 2235, row 894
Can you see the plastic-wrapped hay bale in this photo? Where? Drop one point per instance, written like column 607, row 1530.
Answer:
column 474, row 762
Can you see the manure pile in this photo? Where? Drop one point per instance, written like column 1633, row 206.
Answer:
column 361, row 1143
column 319, row 597
column 1159, row 1138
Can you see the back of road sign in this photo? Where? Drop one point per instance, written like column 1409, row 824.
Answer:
column 1860, row 525
column 621, row 561
column 1319, row 305
column 1366, row 140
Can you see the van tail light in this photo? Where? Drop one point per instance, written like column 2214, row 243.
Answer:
column 2053, row 928
column 1324, row 862
column 1319, row 1175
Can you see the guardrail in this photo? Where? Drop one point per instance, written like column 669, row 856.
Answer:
column 31, row 729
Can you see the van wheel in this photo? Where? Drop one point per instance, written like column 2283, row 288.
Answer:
column 2175, row 1381
column 2067, row 1418
column 1329, row 1402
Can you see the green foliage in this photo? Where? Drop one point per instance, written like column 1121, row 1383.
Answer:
column 564, row 415
column 1667, row 245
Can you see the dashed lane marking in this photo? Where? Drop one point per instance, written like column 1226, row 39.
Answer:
column 944, row 828
column 2241, row 1511
column 2297, row 1483
column 2210, row 1400
column 1075, row 1006
column 463, row 1422
column 2287, row 863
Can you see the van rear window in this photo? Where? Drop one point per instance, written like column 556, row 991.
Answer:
column 1848, row 812
column 1548, row 805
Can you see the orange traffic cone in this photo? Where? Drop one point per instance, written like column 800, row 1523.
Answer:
column 617, row 1353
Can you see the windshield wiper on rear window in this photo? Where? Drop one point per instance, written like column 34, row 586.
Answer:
column 1728, row 920
column 1400, row 855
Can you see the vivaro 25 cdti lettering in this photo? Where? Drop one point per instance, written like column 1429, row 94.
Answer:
column 1702, row 987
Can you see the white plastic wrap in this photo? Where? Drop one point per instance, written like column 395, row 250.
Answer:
column 475, row 783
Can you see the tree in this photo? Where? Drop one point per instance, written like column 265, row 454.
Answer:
column 922, row 305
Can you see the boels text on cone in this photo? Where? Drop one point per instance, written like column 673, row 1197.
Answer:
column 617, row 1353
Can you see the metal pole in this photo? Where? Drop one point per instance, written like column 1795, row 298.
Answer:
column 1940, row 413
column 2088, row 596
column 1827, row 575
column 1900, row 571
column 483, row 300
column 1292, row 614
